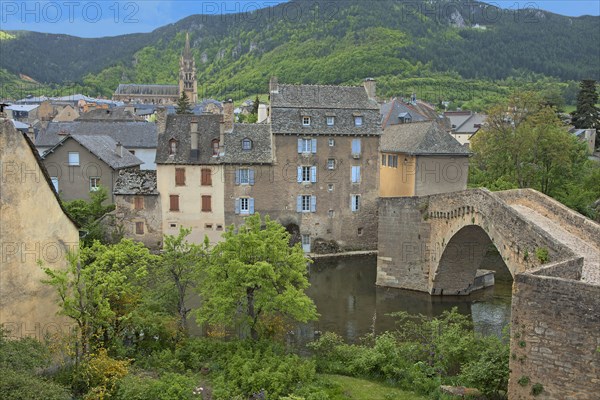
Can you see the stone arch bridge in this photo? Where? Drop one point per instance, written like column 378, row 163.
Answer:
column 436, row 244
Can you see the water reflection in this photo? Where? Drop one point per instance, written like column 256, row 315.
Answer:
column 351, row 305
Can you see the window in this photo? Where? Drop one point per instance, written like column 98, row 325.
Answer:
column 246, row 144
column 206, row 204
column 73, row 158
column 207, row 226
column 330, row 187
column 331, row 213
column 206, row 177
column 244, row 176
column 139, row 228
column 174, row 202
column 138, row 203
column 360, row 231
column 331, row 142
column 330, row 121
column 55, row 183
column 355, row 174
column 356, row 147
column 172, row 147
column 331, row 163
column 94, row 183
column 306, row 203
column 307, row 174
column 358, row 121
column 132, row 152
column 392, row 161
column 306, row 243
column 307, row 146
column 215, row 147
column 383, row 158
column 244, row 205
column 306, row 121
column 355, row 202
column 219, row 227
column 173, row 225
column 179, row 176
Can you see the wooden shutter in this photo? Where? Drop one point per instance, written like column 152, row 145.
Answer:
column 299, row 146
column 174, row 200
column 251, row 205
column 237, row 176
column 251, row 176
column 179, row 176
column 313, row 174
column 206, row 203
column 299, row 204
column 139, row 203
column 299, row 179
column 237, row 206
column 206, row 177
column 314, row 146
column 139, row 228
column 313, row 203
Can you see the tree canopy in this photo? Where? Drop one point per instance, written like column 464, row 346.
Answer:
column 587, row 114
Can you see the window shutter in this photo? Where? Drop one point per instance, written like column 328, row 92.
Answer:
column 314, row 146
column 251, row 205
column 299, row 204
column 313, row 174
column 356, row 146
column 237, row 206
column 174, row 200
column 313, row 203
column 251, row 176
column 237, row 176
column 352, row 202
column 299, row 146
column 299, row 175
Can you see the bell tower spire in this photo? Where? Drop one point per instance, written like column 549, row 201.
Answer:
column 188, row 83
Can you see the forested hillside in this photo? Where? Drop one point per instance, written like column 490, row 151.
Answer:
column 460, row 51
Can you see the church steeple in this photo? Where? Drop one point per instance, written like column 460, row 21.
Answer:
column 187, row 73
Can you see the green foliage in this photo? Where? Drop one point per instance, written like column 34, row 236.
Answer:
column 21, row 385
column 100, row 289
column 489, row 373
column 523, row 381
column 87, row 213
column 252, row 276
column 541, row 253
column 537, row 389
column 183, row 105
column 169, row 386
column 98, row 375
column 587, row 114
column 25, row 354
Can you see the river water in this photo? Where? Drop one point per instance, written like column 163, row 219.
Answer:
column 351, row 305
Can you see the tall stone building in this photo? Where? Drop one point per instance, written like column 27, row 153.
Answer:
column 165, row 94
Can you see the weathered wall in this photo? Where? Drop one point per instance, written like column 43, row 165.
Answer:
column 400, row 181
column 127, row 216
column 555, row 336
column 440, row 174
column 276, row 189
column 147, row 156
column 74, row 181
column 190, row 213
column 32, row 227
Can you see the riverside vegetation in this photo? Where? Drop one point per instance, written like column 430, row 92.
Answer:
column 130, row 338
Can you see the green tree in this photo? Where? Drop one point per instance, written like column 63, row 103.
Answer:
column 183, row 105
column 255, row 105
column 87, row 213
column 100, row 289
column 252, row 276
column 180, row 267
column 587, row 114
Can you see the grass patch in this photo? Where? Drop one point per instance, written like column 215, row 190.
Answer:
column 362, row 389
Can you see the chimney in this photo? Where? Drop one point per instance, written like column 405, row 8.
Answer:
column 273, row 85
column 161, row 120
column 370, row 85
column 194, row 133
column 262, row 113
column 119, row 149
column 31, row 134
column 228, row 115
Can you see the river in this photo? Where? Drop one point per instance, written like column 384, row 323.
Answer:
column 351, row 305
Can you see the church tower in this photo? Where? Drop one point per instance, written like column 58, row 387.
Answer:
column 187, row 73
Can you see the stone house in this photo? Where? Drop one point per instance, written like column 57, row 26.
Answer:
column 325, row 178
column 465, row 124
column 420, row 159
column 397, row 112
column 138, row 208
column 139, row 138
column 28, row 307
column 190, row 175
column 27, row 113
column 80, row 164
column 66, row 114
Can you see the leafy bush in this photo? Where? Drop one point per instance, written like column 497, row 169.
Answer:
column 98, row 375
column 489, row 373
column 22, row 385
column 24, row 354
column 170, row 386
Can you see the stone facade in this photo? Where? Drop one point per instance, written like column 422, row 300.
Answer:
column 33, row 227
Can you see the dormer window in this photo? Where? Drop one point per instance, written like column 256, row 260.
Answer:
column 358, row 121
column 246, row 144
column 215, row 147
column 305, row 121
column 172, row 147
column 330, row 121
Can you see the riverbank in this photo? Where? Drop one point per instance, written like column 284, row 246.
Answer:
column 315, row 256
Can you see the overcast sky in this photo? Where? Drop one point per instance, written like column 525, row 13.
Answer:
column 114, row 17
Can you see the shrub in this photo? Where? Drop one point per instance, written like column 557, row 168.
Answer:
column 542, row 255
column 24, row 354
column 170, row 386
column 22, row 385
column 98, row 375
column 489, row 373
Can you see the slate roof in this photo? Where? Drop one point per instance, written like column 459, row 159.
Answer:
column 133, row 135
column 20, row 125
column 147, row 90
column 289, row 103
column 420, row 138
column 261, row 152
column 105, row 148
column 391, row 112
column 178, row 127
column 111, row 114
column 22, row 107
column 136, row 182
column 465, row 121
